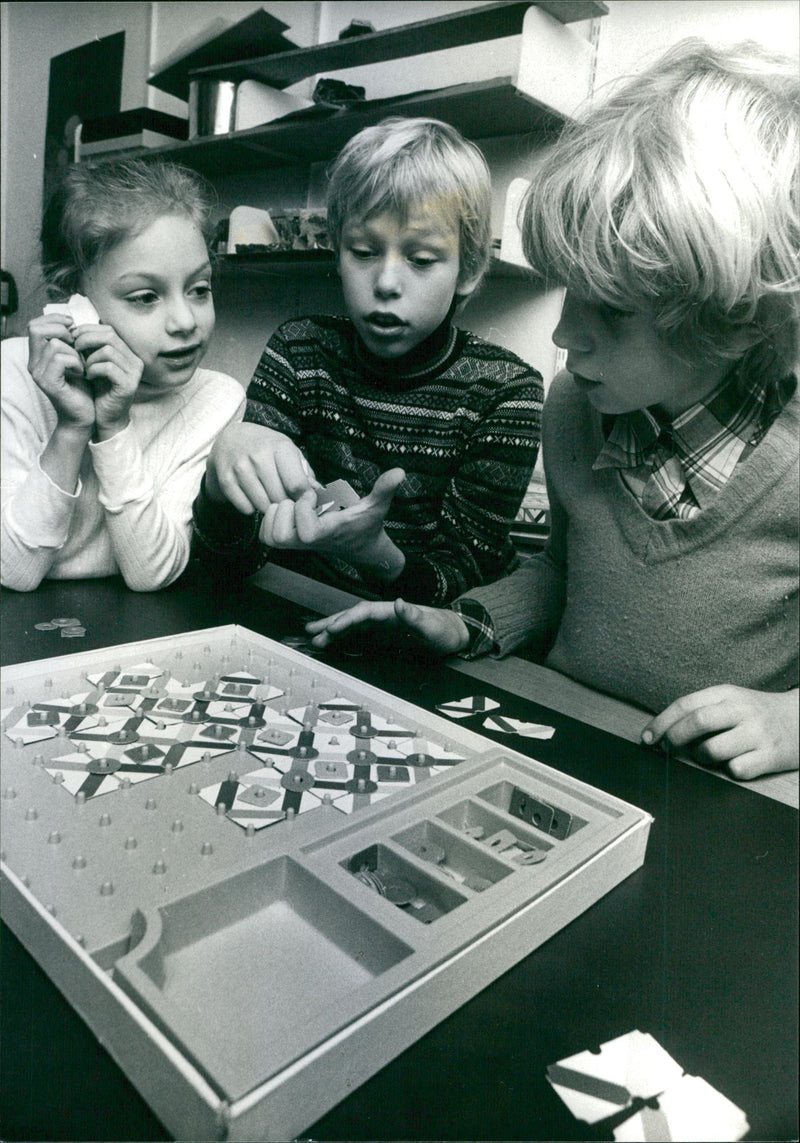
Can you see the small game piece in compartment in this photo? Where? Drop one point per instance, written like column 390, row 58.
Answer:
column 551, row 819
column 513, row 842
column 400, row 882
column 455, row 857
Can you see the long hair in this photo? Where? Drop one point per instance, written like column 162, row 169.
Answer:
column 679, row 195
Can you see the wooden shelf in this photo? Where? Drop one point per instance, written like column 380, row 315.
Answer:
column 299, row 263
column 488, row 108
column 474, row 25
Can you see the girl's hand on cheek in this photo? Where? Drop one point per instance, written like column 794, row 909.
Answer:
column 58, row 370
column 114, row 372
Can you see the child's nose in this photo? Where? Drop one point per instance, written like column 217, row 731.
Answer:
column 180, row 317
column 388, row 281
column 572, row 332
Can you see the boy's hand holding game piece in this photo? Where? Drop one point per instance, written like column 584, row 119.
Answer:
column 750, row 732
column 441, row 631
column 355, row 533
column 254, row 467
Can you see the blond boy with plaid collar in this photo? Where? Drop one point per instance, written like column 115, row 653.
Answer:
column 670, row 578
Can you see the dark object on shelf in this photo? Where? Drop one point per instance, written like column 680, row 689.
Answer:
column 128, row 130
column 356, row 28
column 9, row 300
column 334, row 93
column 258, row 35
column 219, row 239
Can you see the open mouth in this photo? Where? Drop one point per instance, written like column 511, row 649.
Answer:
column 385, row 323
column 180, row 356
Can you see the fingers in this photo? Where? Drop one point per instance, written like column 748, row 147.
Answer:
column 54, row 360
column 278, row 526
column 689, row 717
column 750, row 732
column 47, row 326
column 243, row 489
column 385, row 487
column 256, row 467
column 331, row 627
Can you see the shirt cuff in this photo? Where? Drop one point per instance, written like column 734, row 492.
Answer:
column 479, row 625
column 221, row 527
column 120, row 471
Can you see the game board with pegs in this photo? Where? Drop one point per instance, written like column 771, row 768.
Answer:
column 216, row 807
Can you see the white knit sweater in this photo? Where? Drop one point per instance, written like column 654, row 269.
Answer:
column 132, row 510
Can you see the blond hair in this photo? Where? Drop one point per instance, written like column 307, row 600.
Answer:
column 679, row 194
column 402, row 163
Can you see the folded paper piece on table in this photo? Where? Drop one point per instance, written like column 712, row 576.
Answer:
column 463, row 708
column 595, row 1085
column 689, row 1110
column 515, row 726
column 635, row 1066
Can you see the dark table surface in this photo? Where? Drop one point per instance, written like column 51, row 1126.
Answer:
column 698, row 947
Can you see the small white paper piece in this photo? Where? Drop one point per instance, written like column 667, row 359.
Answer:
column 691, row 1111
column 515, row 726
column 463, row 708
column 595, row 1085
column 338, row 494
column 79, row 308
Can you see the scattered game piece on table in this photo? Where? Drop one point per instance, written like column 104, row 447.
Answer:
column 506, row 725
column 69, row 628
column 465, row 707
column 634, row 1073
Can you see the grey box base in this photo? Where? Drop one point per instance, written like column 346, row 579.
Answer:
column 247, row 991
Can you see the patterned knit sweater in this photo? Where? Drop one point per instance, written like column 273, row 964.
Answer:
column 461, row 416
column 649, row 610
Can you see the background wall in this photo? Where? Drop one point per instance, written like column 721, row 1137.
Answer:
column 250, row 306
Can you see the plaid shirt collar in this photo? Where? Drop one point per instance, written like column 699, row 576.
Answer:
column 688, row 461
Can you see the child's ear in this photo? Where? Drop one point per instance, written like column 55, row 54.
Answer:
column 466, row 286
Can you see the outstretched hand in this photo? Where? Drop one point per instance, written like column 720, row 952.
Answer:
column 355, row 534
column 749, row 732
column 438, row 629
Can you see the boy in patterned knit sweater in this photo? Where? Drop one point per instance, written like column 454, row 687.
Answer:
column 671, row 444
column 434, row 428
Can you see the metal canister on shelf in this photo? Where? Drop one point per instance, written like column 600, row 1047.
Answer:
column 212, row 107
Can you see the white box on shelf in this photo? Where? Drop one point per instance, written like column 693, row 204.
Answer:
column 555, row 63
column 257, row 103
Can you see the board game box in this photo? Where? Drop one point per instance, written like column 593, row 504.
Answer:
column 259, row 879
